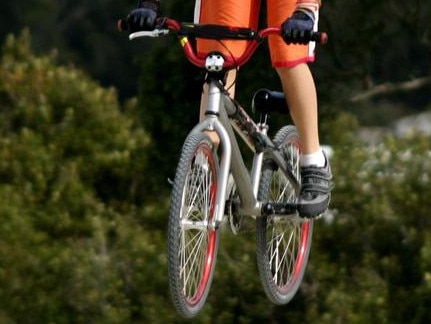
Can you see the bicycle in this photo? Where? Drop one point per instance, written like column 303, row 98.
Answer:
column 212, row 185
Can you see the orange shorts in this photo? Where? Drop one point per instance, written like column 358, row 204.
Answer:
column 245, row 13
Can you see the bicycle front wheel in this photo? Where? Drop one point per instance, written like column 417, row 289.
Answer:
column 283, row 242
column 192, row 243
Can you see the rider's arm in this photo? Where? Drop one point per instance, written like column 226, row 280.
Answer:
column 308, row 5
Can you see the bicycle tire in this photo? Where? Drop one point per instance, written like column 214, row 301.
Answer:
column 192, row 245
column 283, row 242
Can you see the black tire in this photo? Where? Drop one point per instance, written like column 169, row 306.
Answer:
column 192, row 244
column 283, row 242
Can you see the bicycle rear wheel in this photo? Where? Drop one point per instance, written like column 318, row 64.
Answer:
column 283, row 242
column 192, row 244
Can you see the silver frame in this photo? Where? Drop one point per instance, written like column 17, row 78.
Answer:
column 247, row 183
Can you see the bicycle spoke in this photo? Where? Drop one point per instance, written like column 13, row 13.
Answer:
column 283, row 242
column 193, row 245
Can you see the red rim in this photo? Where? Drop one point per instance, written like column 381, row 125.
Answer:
column 212, row 240
column 300, row 258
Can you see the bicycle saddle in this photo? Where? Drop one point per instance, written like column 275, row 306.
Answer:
column 266, row 101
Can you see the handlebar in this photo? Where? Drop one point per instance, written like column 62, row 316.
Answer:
column 184, row 31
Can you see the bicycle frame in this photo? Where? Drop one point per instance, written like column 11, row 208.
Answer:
column 220, row 117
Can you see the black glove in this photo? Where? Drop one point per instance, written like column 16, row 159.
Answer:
column 144, row 17
column 298, row 28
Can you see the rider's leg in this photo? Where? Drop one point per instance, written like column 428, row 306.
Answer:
column 290, row 62
column 298, row 86
column 299, row 89
column 297, row 80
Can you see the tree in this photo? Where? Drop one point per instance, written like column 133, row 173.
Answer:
column 369, row 261
column 360, row 67
column 84, row 33
column 77, row 242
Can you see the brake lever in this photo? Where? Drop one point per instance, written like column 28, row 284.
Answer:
column 149, row 33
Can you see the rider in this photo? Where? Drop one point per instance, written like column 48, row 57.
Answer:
column 289, row 57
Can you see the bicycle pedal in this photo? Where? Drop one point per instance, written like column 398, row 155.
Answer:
column 280, row 209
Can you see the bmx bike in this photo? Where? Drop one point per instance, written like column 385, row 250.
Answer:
column 213, row 186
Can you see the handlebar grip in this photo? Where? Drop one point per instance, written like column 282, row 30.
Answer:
column 319, row 37
column 122, row 25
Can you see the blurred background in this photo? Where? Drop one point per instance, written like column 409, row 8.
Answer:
column 91, row 129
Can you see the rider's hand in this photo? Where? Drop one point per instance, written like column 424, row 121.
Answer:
column 144, row 17
column 298, row 28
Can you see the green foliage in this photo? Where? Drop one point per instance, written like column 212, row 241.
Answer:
column 368, row 262
column 76, row 239
column 367, row 42
column 169, row 98
column 83, row 32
